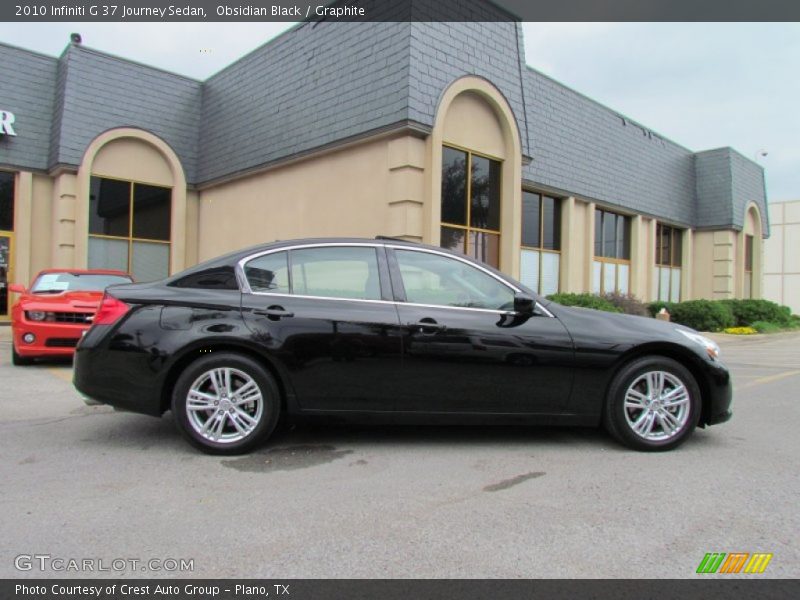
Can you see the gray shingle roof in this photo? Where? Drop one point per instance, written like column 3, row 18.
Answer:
column 29, row 95
column 322, row 83
column 102, row 92
column 316, row 84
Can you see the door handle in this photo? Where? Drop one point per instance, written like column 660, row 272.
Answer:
column 427, row 325
column 273, row 312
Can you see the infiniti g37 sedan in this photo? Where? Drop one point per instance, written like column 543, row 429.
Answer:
column 388, row 331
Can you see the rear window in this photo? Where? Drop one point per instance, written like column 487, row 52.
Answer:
column 53, row 283
column 216, row 278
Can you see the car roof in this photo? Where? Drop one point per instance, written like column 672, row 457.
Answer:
column 231, row 258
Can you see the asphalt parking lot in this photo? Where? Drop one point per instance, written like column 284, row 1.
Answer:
column 88, row 482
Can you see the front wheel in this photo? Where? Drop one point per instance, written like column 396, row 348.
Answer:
column 653, row 403
column 226, row 403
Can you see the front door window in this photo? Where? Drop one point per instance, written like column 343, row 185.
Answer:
column 442, row 281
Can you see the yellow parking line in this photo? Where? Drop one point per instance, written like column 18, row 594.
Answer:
column 65, row 374
column 770, row 379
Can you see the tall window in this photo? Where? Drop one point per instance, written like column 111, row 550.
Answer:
column 612, row 253
column 471, row 205
column 668, row 263
column 541, row 242
column 6, row 237
column 129, row 228
column 748, row 266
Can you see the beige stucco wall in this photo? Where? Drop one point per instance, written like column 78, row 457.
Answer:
column 577, row 245
column 132, row 159
column 42, row 214
column 782, row 255
column 702, row 258
column 471, row 123
column 362, row 191
column 385, row 185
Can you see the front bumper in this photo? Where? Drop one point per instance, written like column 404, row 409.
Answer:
column 50, row 339
column 717, row 408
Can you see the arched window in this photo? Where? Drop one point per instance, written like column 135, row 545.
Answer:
column 471, row 204
column 129, row 227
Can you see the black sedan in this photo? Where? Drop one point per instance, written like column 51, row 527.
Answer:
column 389, row 331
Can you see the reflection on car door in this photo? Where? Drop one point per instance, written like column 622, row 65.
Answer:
column 324, row 312
column 464, row 350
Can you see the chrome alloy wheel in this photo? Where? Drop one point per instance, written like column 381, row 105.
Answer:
column 224, row 405
column 657, row 406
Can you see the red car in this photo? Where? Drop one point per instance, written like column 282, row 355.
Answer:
column 48, row 319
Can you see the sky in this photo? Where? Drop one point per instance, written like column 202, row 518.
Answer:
column 702, row 85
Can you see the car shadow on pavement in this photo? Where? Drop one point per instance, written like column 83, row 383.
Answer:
column 127, row 430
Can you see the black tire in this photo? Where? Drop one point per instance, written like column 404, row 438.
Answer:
column 269, row 414
column 617, row 417
column 17, row 360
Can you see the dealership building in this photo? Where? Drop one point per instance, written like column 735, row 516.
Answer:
column 434, row 132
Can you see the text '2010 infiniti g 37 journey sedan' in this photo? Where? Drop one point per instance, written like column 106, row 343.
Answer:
column 387, row 331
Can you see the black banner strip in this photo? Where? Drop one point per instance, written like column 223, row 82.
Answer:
column 708, row 588
column 398, row 10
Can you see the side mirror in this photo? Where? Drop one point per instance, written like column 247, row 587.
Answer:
column 524, row 304
column 17, row 288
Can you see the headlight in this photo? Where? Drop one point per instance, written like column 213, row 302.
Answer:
column 36, row 315
column 712, row 349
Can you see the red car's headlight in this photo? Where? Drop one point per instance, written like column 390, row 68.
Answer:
column 35, row 315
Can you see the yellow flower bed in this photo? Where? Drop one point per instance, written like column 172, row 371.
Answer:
column 740, row 330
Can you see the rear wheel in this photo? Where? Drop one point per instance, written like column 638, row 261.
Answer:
column 653, row 403
column 226, row 403
column 17, row 360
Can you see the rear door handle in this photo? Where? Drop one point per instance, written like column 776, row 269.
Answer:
column 427, row 325
column 273, row 312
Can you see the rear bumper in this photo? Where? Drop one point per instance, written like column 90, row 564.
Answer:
column 99, row 370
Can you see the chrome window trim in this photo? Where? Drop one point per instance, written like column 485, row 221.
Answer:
column 393, row 302
column 245, row 285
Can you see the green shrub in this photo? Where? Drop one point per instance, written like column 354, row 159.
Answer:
column 628, row 303
column 703, row 315
column 747, row 312
column 585, row 301
column 766, row 327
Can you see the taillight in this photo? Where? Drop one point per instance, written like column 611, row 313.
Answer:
column 111, row 310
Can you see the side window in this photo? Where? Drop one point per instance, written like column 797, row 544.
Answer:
column 269, row 273
column 440, row 280
column 336, row 272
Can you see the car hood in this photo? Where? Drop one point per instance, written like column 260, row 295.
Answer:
column 79, row 301
column 595, row 327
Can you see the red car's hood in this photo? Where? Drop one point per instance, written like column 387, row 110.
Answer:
column 65, row 301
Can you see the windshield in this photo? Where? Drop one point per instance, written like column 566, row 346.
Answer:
column 52, row 283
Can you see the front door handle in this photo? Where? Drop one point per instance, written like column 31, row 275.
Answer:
column 427, row 325
column 273, row 313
